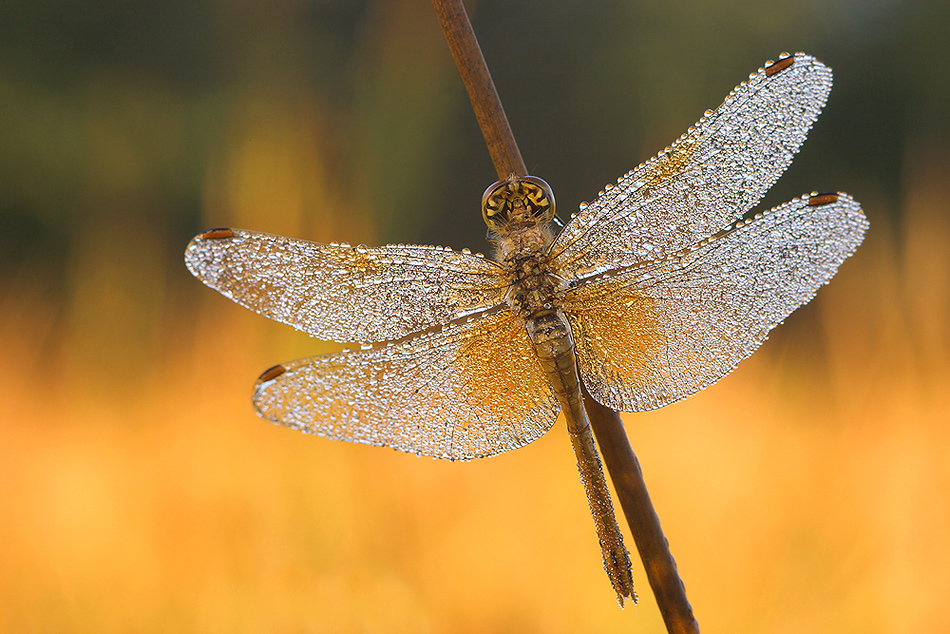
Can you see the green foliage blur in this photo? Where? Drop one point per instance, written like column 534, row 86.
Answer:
column 127, row 127
column 119, row 112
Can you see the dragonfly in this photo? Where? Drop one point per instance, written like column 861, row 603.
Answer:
column 650, row 293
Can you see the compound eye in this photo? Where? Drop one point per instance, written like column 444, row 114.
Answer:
column 517, row 202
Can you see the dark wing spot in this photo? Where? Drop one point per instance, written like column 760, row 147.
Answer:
column 779, row 66
column 271, row 373
column 822, row 199
column 217, row 234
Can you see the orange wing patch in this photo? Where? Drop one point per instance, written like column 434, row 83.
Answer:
column 617, row 336
column 467, row 391
column 498, row 368
column 669, row 164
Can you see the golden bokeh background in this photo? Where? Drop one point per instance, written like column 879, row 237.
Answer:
column 807, row 492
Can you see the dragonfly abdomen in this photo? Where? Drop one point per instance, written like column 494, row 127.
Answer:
column 553, row 342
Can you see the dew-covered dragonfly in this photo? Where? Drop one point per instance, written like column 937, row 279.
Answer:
column 651, row 292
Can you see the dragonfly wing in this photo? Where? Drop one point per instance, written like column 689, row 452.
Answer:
column 343, row 293
column 651, row 335
column 706, row 180
column 468, row 391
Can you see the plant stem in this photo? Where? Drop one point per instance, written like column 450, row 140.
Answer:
column 481, row 89
column 622, row 463
column 654, row 549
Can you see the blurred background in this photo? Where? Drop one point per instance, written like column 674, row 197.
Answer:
column 807, row 492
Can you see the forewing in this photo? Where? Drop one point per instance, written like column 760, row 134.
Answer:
column 471, row 390
column 341, row 293
column 706, row 180
column 652, row 335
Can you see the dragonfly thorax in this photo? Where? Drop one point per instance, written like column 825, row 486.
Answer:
column 534, row 287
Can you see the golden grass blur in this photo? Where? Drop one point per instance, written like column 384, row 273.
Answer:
column 810, row 491
column 798, row 495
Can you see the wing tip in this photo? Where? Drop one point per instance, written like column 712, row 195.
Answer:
column 264, row 381
column 194, row 252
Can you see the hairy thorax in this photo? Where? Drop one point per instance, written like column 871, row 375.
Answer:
column 535, row 289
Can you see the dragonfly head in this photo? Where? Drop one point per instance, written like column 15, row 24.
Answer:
column 517, row 202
